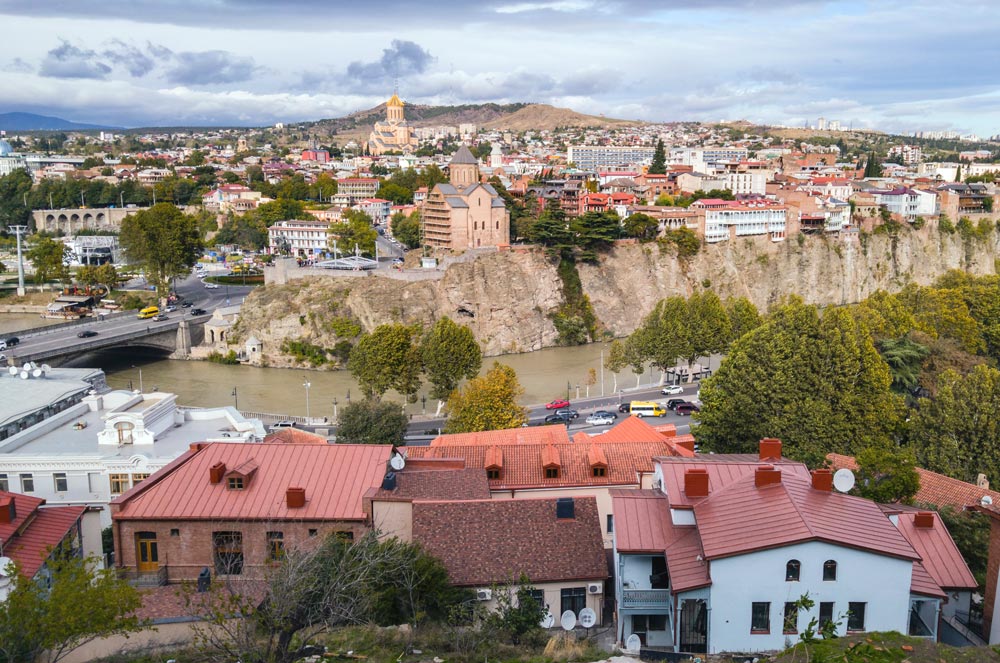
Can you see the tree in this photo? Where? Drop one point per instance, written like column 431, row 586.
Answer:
column 80, row 605
column 872, row 166
column 163, row 241
column 663, row 337
column 887, row 475
column 659, row 164
column 406, row 229
column 518, row 613
column 615, row 361
column 488, row 402
column 939, row 312
column 904, row 357
column 814, row 381
column 397, row 194
column 283, row 209
column 641, row 226
column 450, row 353
column 48, row 258
column 708, row 329
column 885, row 315
column 594, row 232
column 388, row 358
column 371, row 422
column 354, row 230
column 743, row 317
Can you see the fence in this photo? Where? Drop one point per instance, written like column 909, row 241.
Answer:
column 71, row 323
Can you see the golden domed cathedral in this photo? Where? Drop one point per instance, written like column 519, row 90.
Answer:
column 393, row 135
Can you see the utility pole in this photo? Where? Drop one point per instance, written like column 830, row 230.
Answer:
column 19, row 230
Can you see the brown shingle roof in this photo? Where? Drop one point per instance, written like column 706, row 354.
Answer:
column 492, row 541
column 469, row 484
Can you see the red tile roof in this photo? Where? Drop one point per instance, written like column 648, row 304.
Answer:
column 743, row 518
column 530, row 435
column 936, row 489
column 938, row 552
column 483, row 542
column 723, row 470
column 24, row 506
column 334, row 476
column 294, row 436
column 35, row 530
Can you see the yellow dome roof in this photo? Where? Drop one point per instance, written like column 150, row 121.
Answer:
column 394, row 101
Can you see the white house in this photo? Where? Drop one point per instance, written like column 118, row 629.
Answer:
column 715, row 559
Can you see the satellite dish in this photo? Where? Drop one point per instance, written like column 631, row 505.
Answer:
column 27, row 366
column 568, row 620
column 24, row 375
column 986, row 500
column 843, row 480
column 37, row 372
column 5, row 562
column 12, row 370
column 587, row 618
column 46, row 368
column 633, row 643
column 548, row 621
column 397, row 462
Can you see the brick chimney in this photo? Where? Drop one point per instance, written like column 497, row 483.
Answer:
column 696, row 482
column 216, row 472
column 766, row 475
column 295, row 498
column 770, row 448
column 822, row 479
column 8, row 512
column 924, row 519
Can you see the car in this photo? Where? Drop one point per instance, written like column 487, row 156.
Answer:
column 187, row 304
column 572, row 414
column 279, row 425
column 211, row 286
column 558, row 419
column 605, row 413
column 686, row 409
column 600, row 419
column 9, row 343
column 170, row 309
column 674, row 402
column 160, row 318
column 3, row 357
column 672, row 390
column 87, row 333
column 625, row 407
column 557, row 404
column 198, row 311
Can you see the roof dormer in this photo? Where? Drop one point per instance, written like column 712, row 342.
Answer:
column 550, row 462
column 494, row 462
column 239, row 477
column 597, row 460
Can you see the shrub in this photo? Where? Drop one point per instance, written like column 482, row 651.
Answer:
column 344, row 327
column 304, row 351
column 229, row 358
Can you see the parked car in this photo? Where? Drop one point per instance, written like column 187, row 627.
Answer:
column 600, row 419
column 198, row 311
column 187, row 304
column 3, row 357
column 557, row 404
column 674, row 402
column 282, row 424
column 557, row 419
column 11, row 342
column 87, row 333
column 672, row 390
column 211, row 286
column 572, row 414
column 605, row 413
column 685, row 409
column 160, row 318
column 625, row 407
column 170, row 309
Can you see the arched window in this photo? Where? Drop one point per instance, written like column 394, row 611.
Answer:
column 829, row 570
column 792, row 570
column 124, row 429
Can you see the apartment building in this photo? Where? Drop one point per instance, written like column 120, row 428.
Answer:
column 304, row 239
column 727, row 219
column 601, row 157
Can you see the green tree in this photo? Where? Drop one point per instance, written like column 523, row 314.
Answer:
column 885, row 315
column 388, row 358
column 659, row 164
column 939, row 312
column 743, row 317
column 814, row 381
column 872, row 166
column 80, row 605
column 354, row 230
column 397, row 194
column 324, row 188
column 280, row 210
column 595, row 232
column 406, row 229
column 707, row 327
column 641, row 226
column 47, row 256
column 518, row 613
column 551, row 230
column 450, row 353
column 371, row 422
column 163, row 241
column 887, row 475
column 904, row 357
column 246, row 231
column 488, row 402
column 663, row 337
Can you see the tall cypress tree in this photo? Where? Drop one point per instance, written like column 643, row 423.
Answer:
column 873, row 168
column 659, row 164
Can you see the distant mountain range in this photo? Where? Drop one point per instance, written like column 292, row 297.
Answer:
column 33, row 122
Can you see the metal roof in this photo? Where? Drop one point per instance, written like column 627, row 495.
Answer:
column 938, row 552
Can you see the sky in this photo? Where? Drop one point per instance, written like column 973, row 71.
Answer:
column 885, row 64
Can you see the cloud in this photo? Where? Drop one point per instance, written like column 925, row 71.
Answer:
column 17, row 66
column 402, row 58
column 210, row 68
column 131, row 58
column 69, row 61
column 568, row 6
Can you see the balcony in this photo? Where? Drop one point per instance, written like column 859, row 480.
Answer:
column 633, row 599
column 144, row 578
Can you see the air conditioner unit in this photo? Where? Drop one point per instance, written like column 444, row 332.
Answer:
column 484, row 594
column 595, row 588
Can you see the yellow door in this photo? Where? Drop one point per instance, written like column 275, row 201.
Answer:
column 147, row 557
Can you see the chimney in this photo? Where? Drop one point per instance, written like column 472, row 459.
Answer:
column 770, row 448
column 389, row 481
column 565, row 508
column 766, row 475
column 8, row 512
column 696, row 483
column 981, row 481
column 822, row 479
column 295, row 498
column 924, row 519
column 216, row 472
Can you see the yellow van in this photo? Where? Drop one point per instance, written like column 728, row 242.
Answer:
column 149, row 312
column 647, row 409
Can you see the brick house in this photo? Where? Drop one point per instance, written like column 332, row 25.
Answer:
column 234, row 508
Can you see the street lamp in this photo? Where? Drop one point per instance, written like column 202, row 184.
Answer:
column 307, row 384
column 423, row 404
column 335, row 409
column 236, row 398
column 140, row 376
column 568, row 387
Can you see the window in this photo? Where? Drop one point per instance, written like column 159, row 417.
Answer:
column 275, row 546
column 93, row 481
column 175, row 532
column 856, row 616
column 792, row 570
column 119, row 483
column 760, row 617
column 829, row 570
column 646, row 623
column 228, row 547
column 235, row 483
column 139, row 478
column 825, row 615
column 4, row 484
column 573, row 598
column 539, row 596
column 313, row 532
column 600, row 471
column 791, row 621
column 27, row 483
column 493, row 474
column 611, row 523
column 124, row 429
column 344, row 536
column 552, row 473
column 59, row 479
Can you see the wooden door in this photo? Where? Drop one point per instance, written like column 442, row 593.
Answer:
column 146, row 556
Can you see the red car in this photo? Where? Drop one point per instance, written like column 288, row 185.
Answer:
column 557, row 404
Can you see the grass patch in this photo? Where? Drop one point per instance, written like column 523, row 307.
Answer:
column 252, row 279
column 884, row 648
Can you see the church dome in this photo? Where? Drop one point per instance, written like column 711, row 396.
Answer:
column 5, row 148
column 394, row 101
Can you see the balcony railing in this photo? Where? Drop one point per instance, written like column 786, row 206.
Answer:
column 144, row 578
column 645, row 598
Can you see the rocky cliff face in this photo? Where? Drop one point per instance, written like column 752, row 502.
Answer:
column 505, row 298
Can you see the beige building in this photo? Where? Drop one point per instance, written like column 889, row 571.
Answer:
column 393, row 135
column 465, row 213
